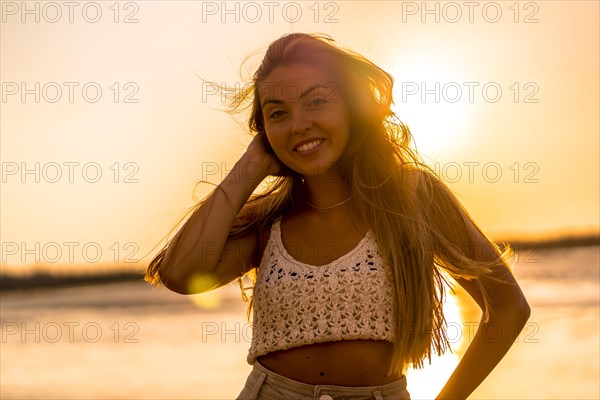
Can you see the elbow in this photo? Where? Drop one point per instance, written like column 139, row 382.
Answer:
column 525, row 311
column 515, row 312
column 521, row 309
column 160, row 272
column 177, row 288
column 173, row 283
column 171, row 278
column 181, row 280
column 177, row 275
column 520, row 314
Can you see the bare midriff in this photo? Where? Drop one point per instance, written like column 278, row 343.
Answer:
column 341, row 363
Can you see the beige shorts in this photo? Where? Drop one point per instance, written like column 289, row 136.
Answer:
column 264, row 384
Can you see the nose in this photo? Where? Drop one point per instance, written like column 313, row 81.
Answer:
column 301, row 122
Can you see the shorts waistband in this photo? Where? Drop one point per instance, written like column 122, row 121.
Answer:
column 317, row 390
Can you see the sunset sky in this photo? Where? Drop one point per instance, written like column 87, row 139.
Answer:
column 118, row 125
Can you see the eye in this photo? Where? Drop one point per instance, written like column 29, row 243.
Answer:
column 318, row 101
column 275, row 114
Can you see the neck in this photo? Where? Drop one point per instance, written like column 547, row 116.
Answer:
column 326, row 190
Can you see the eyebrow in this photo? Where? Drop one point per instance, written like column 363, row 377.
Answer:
column 302, row 95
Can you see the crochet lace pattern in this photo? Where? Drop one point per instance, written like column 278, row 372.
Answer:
column 296, row 304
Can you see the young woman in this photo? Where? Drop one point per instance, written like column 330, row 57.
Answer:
column 349, row 243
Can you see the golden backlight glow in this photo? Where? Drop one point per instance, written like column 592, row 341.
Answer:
column 152, row 151
column 423, row 382
column 207, row 300
column 429, row 100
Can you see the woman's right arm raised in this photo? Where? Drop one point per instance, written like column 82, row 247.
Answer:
column 202, row 256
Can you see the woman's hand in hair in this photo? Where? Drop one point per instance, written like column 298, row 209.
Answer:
column 260, row 153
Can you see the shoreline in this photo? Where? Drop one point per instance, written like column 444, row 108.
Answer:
column 47, row 280
column 561, row 242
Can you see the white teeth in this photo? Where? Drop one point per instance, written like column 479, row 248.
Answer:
column 308, row 146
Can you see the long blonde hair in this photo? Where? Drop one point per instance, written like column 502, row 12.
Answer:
column 417, row 219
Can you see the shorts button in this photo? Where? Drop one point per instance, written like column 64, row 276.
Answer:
column 326, row 397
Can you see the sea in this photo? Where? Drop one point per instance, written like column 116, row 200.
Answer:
column 129, row 340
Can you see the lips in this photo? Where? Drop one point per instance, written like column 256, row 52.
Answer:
column 307, row 145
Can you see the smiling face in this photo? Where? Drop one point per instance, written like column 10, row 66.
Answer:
column 305, row 118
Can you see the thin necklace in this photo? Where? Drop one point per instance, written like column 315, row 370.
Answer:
column 329, row 208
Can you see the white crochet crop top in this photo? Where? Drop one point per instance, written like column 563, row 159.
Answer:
column 296, row 304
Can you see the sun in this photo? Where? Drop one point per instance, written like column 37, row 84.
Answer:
column 434, row 102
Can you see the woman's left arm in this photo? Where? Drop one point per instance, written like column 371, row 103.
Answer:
column 508, row 314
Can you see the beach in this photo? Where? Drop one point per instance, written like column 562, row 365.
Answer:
column 129, row 340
